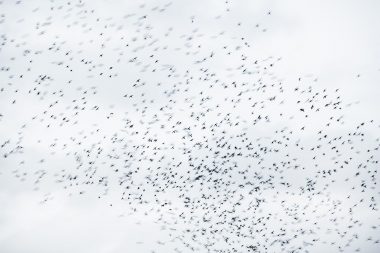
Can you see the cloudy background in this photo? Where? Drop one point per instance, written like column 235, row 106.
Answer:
column 335, row 42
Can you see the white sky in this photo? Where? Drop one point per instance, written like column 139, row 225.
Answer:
column 333, row 41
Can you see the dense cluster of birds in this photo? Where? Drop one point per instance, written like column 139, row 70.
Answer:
column 188, row 121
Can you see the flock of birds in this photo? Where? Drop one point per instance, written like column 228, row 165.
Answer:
column 189, row 122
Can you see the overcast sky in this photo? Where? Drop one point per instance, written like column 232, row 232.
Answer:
column 336, row 42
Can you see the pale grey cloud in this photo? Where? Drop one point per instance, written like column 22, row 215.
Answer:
column 335, row 42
